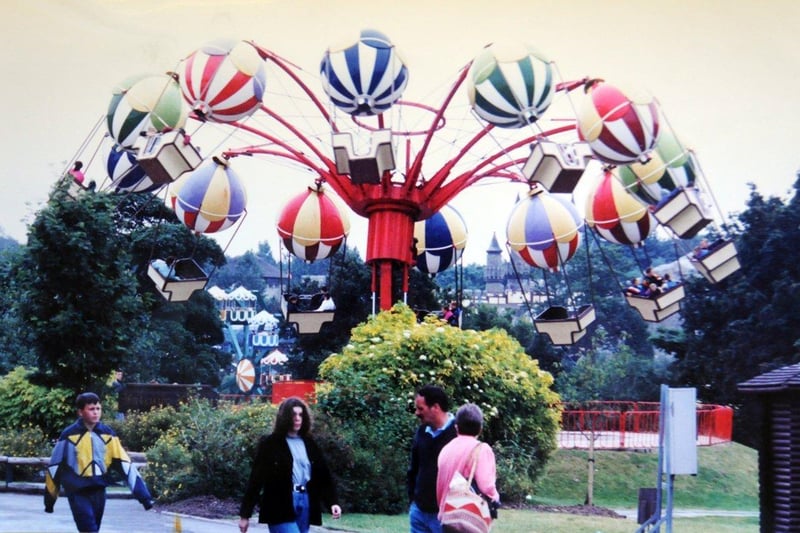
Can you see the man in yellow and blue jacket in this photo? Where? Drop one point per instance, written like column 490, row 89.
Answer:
column 86, row 454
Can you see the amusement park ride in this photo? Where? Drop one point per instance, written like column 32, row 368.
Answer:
column 505, row 117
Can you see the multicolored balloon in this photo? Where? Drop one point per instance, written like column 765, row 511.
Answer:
column 671, row 167
column 619, row 129
column 511, row 87
column 142, row 104
column 440, row 240
column 211, row 198
column 615, row 214
column 313, row 225
column 544, row 229
column 125, row 173
column 224, row 80
column 366, row 78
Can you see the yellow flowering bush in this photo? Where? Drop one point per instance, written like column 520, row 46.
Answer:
column 370, row 387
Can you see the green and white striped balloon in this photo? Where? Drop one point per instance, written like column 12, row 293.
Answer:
column 511, row 87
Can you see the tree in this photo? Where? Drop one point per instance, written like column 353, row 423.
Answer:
column 749, row 323
column 15, row 341
column 79, row 292
column 369, row 387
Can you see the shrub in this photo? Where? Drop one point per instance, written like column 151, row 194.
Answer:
column 370, row 387
column 26, row 441
column 209, row 451
column 24, row 404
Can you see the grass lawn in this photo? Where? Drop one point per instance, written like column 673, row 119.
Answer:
column 513, row 521
column 727, row 479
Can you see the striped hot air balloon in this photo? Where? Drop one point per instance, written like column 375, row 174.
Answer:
column 441, row 239
column 211, row 198
column 366, row 78
column 671, row 167
column 615, row 214
column 544, row 229
column 619, row 129
column 125, row 173
column 224, row 80
column 510, row 87
column 313, row 225
column 144, row 104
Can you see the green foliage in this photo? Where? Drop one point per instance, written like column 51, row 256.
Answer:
column 370, row 387
column 27, row 440
column 611, row 373
column 25, row 404
column 208, row 450
column 78, row 293
column 749, row 323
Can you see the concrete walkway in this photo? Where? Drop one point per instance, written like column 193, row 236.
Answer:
column 25, row 513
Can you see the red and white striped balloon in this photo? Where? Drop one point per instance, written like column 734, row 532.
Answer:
column 224, row 80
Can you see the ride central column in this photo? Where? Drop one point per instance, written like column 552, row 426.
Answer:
column 389, row 241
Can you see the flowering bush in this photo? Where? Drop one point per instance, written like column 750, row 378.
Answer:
column 23, row 403
column 370, row 387
column 208, row 450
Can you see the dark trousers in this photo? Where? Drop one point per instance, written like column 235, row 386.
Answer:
column 87, row 508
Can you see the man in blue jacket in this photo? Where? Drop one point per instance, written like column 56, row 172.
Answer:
column 82, row 461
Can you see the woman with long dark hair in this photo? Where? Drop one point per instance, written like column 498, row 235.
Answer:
column 290, row 477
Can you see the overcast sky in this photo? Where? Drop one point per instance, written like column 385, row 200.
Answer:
column 724, row 72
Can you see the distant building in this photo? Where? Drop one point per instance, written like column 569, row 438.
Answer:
column 506, row 280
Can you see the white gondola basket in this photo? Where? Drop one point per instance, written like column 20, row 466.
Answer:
column 564, row 326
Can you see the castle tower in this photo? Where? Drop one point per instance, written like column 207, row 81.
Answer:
column 495, row 272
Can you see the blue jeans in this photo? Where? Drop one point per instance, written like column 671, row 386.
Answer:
column 422, row 522
column 302, row 517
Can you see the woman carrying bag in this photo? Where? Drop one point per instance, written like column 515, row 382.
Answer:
column 466, row 458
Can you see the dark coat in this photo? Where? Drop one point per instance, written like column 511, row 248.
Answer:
column 422, row 471
column 270, row 483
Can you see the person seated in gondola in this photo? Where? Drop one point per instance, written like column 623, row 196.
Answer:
column 166, row 268
column 317, row 299
column 77, row 174
column 702, row 249
column 669, row 283
column 635, row 288
column 651, row 276
column 292, row 303
column 326, row 304
column 651, row 290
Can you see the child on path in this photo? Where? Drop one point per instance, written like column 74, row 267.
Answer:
column 84, row 457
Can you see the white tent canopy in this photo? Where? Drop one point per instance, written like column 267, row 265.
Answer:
column 275, row 357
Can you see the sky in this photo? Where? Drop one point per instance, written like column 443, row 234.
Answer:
column 724, row 72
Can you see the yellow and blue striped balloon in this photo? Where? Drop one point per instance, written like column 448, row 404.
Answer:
column 211, row 198
column 544, row 229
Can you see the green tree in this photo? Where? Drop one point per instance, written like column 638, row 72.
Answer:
column 611, row 372
column 749, row 323
column 16, row 347
column 78, row 292
column 369, row 387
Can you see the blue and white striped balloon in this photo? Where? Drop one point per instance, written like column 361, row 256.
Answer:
column 125, row 173
column 366, row 78
column 510, row 87
column 441, row 239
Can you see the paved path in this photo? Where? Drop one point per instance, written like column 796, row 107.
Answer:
column 631, row 514
column 25, row 512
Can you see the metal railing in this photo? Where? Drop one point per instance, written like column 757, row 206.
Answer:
column 622, row 425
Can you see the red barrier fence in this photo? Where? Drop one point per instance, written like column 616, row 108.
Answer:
column 634, row 425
